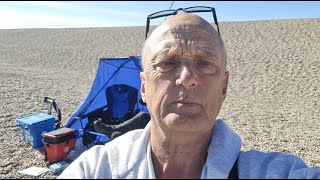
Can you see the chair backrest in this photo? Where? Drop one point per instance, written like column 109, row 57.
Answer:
column 121, row 99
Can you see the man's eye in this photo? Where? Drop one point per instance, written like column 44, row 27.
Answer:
column 205, row 64
column 168, row 63
column 166, row 66
column 206, row 67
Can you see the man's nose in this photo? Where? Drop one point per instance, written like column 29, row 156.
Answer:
column 186, row 77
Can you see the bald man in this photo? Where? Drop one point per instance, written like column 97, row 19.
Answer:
column 184, row 83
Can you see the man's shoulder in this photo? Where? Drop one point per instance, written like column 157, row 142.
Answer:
column 125, row 140
column 109, row 160
column 260, row 164
column 128, row 145
column 121, row 144
column 271, row 157
column 126, row 151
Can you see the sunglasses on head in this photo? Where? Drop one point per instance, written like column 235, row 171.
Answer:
column 193, row 9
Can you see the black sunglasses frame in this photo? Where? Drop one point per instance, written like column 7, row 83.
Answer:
column 186, row 10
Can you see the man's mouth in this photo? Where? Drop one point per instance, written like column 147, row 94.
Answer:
column 185, row 103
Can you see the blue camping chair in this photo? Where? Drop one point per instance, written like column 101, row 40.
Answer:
column 121, row 102
column 111, row 71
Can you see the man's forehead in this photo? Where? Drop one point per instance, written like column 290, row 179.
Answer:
column 195, row 35
column 180, row 33
column 181, row 27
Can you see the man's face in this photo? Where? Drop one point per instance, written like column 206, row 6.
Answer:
column 184, row 81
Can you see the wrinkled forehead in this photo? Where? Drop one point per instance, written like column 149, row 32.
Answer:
column 196, row 36
column 185, row 31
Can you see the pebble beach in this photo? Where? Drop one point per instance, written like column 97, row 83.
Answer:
column 273, row 95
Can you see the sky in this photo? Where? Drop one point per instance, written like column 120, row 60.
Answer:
column 79, row 14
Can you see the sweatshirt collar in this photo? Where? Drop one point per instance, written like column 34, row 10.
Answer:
column 223, row 151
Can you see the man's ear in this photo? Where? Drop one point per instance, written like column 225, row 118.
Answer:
column 142, row 87
column 225, row 84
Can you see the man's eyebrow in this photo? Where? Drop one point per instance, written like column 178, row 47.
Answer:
column 166, row 51
column 207, row 52
column 163, row 52
column 159, row 54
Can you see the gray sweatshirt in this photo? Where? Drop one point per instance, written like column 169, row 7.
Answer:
column 129, row 156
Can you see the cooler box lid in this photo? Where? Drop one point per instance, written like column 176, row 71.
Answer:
column 35, row 118
column 59, row 135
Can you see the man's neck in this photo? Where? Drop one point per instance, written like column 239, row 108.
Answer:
column 179, row 156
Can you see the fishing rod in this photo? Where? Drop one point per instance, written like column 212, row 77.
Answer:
column 169, row 9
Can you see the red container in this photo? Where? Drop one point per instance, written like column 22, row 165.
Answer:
column 59, row 143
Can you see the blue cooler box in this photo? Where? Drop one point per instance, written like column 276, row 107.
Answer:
column 33, row 126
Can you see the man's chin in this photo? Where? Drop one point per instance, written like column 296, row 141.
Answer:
column 186, row 120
